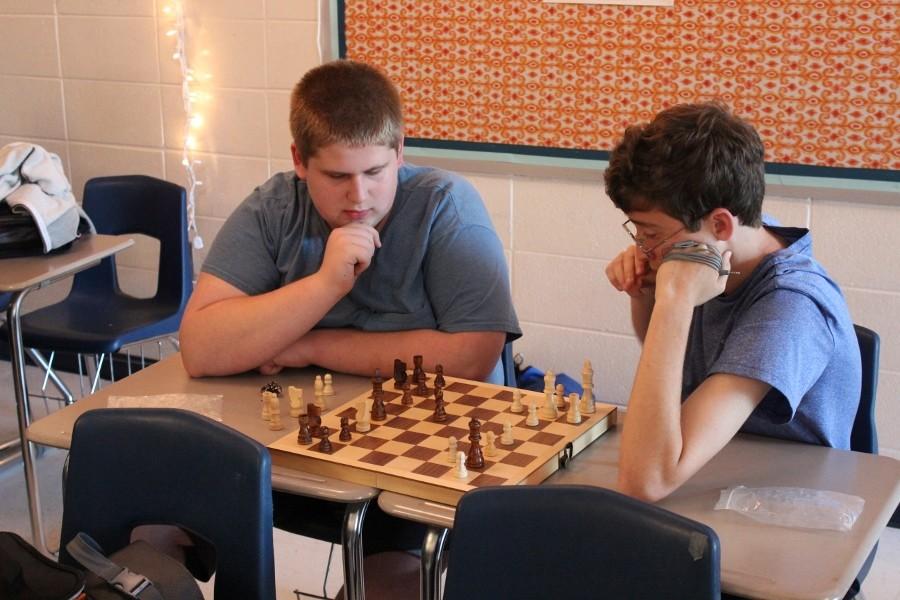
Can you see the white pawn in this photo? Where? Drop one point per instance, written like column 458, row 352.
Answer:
column 296, row 396
column 275, row 413
column 266, row 405
column 461, row 471
column 327, row 385
column 517, row 402
column 363, row 408
column 489, row 448
column 574, row 415
column 451, row 450
column 506, row 438
column 560, row 396
column 532, row 420
column 318, row 386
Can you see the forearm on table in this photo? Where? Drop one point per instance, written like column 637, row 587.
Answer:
column 241, row 333
column 652, row 439
column 470, row 355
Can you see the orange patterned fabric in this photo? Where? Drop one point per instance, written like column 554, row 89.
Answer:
column 819, row 79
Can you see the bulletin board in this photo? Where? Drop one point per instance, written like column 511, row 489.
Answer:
column 819, row 80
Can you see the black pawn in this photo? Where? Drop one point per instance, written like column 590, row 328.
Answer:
column 439, row 376
column 407, row 398
column 345, row 430
column 378, row 411
column 440, row 415
column 325, row 444
column 304, row 437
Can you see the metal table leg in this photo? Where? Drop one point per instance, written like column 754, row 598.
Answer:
column 23, row 413
column 432, row 554
column 351, row 540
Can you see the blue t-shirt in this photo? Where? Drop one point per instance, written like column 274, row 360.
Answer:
column 786, row 325
column 441, row 265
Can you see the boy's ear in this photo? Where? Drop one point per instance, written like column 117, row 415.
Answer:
column 400, row 152
column 299, row 167
column 723, row 223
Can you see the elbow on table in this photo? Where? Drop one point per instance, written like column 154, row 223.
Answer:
column 647, row 489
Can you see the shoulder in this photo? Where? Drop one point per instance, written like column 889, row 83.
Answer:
column 278, row 193
column 436, row 183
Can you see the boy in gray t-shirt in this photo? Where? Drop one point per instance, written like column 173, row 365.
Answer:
column 354, row 259
column 742, row 329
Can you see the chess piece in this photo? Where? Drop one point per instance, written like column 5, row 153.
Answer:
column 574, row 414
column 318, row 386
column 315, row 419
column 399, row 374
column 325, row 444
column 440, row 413
column 439, row 376
column 407, row 398
column 345, row 430
column 587, row 382
column 451, row 450
column 475, row 458
column 532, row 420
column 327, row 387
column 296, row 396
column 304, row 437
column 266, row 405
column 461, row 472
column 506, row 438
column 421, row 388
column 363, row 409
column 274, row 412
column 272, row 386
column 489, row 448
column 549, row 410
column 549, row 382
column 517, row 402
column 377, row 383
column 378, row 411
column 417, row 368
column 560, row 396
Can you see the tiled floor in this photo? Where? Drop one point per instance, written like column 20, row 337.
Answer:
column 300, row 563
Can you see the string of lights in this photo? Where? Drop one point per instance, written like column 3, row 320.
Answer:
column 193, row 117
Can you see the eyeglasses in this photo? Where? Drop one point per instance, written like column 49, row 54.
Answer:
column 641, row 241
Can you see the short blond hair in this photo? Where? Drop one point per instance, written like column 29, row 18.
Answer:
column 346, row 102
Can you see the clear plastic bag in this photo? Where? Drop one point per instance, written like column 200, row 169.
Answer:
column 793, row 506
column 209, row 405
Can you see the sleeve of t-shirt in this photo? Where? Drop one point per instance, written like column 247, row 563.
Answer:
column 783, row 340
column 466, row 277
column 243, row 252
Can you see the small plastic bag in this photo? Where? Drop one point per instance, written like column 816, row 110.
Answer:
column 794, row 507
column 208, row 405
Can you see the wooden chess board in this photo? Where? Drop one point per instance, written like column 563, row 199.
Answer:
column 407, row 452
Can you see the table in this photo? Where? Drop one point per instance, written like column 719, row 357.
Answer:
column 241, row 410
column 758, row 561
column 21, row 276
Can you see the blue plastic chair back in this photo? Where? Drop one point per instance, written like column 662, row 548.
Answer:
column 864, row 435
column 570, row 541
column 131, row 467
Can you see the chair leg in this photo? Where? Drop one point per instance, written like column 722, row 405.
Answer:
column 352, row 542
column 432, row 558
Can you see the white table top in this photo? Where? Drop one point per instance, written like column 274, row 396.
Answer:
column 38, row 271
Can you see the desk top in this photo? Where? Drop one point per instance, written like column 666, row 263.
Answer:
column 37, row 271
column 757, row 560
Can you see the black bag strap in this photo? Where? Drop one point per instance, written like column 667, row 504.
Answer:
column 86, row 551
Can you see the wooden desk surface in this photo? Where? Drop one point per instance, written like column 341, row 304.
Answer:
column 37, row 271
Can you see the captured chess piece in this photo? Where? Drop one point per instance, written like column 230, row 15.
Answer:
column 327, row 388
column 318, row 388
column 399, row 374
column 345, row 435
column 325, row 444
column 274, row 411
column 296, row 396
column 475, row 458
column 267, row 405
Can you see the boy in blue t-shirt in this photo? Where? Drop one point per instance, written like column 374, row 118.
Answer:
column 742, row 329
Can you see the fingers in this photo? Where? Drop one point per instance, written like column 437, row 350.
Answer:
column 629, row 272
column 269, row 368
column 349, row 252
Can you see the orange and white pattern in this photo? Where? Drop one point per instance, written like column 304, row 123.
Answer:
column 819, row 79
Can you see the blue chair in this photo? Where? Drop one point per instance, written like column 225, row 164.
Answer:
column 509, row 365
column 572, row 541
column 864, row 436
column 132, row 467
column 97, row 317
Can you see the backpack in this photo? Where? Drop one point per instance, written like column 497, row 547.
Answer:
column 136, row 571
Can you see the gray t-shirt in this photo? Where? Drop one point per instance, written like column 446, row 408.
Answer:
column 441, row 265
column 787, row 325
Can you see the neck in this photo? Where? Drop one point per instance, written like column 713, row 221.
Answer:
column 749, row 246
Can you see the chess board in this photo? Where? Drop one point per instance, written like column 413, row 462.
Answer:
column 407, row 452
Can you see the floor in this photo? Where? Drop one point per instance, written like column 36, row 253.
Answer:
column 300, row 563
